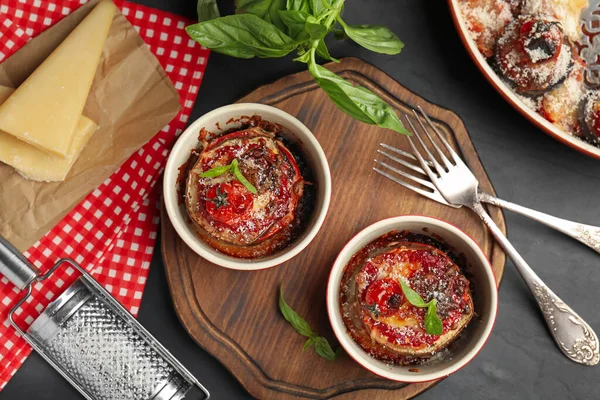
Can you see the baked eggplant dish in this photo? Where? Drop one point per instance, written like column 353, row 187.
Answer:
column 246, row 191
column 387, row 292
column 533, row 47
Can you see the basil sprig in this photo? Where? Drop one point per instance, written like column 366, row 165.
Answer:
column 233, row 168
column 321, row 345
column 274, row 28
column 433, row 324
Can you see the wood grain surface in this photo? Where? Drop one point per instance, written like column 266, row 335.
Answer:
column 234, row 314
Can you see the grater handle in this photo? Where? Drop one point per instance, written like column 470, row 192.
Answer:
column 14, row 265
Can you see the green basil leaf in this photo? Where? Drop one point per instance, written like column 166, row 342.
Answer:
column 433, row 324
column 305, row 58
column 323, row 348
column 356, row 101
column 242, row 36
column 216, row 171
column 413, row 297
column 323, row 52
column 298, row 5
column 374, row 37
column 321, row 345
column 315, row 30
column 207, row 9
column 233, row 167
column 300, row 325
column 295, row 22
column 240, row 177
column 308, row 343
column 265, row 9
column 319, row 7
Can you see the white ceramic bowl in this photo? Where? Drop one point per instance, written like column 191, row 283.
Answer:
column 483, row 286
column 312, row 154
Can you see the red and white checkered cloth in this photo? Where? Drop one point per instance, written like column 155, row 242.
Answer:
column 112, row 232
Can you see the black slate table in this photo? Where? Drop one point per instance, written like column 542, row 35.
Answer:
column 520, row 361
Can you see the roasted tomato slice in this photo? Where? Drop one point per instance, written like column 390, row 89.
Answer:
column 534, row 55
column 228, row 202
column 541, row 39
column 384, row 297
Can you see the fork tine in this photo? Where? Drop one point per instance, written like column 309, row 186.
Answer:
column 424, row 164
column 407, row 175
column 440, row 153
column 402, row 153
column 431, row 195
column 453, row 153
column 402, row 162
column 399, row 151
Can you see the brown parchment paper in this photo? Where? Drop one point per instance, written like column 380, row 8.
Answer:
column 131, row 100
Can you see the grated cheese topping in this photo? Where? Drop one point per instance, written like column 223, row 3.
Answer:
column 489, row 22
column 568, row 12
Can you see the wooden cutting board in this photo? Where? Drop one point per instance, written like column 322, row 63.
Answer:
column 234, row 315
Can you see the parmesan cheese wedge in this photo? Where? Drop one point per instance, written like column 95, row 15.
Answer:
column 46, row 109
column 38, row 165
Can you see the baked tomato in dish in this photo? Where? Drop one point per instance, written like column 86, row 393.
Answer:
column 226, row 213
column 378, row 314
column 534, row 54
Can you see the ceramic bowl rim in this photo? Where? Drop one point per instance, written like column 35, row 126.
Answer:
column 360, row 356
column 182, row 227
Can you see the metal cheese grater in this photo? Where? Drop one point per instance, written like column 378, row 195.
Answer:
column 91, row 340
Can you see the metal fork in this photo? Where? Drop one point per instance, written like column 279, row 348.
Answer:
column 458, row 187
column 586, row 234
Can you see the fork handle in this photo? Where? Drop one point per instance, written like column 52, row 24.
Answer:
column 586, row 234
column 572, row 334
